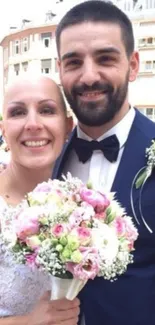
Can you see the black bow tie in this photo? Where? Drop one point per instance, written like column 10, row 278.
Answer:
column 84, row 149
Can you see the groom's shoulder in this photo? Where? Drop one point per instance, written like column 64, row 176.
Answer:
column 145, row 125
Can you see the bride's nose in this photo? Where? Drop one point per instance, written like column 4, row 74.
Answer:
column 33, row 121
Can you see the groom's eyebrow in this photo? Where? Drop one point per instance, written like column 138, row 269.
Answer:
column 68, row 55
column 105, row 50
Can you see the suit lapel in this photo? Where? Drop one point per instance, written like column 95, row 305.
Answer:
column 58, row 168
column 133, row 159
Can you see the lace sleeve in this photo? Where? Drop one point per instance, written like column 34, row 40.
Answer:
column 20, row 286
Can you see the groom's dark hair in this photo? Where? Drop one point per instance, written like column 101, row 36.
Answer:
column 98, row 11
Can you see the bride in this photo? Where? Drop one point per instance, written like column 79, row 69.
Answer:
column 35, row 128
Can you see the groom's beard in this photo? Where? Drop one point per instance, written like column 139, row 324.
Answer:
column 97, row 112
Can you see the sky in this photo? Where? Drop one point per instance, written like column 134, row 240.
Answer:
column 12, row 12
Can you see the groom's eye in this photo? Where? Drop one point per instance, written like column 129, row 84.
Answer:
column 73, row 63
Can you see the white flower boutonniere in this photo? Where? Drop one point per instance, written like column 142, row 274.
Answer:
column 146, row 171
column 140, row 179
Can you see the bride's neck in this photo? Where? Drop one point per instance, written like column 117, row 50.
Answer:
column 20, row 180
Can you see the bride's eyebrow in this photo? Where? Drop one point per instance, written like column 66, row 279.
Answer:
column 15, row 103
column 47, row 100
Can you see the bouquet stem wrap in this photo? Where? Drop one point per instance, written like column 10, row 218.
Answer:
column 65, row 288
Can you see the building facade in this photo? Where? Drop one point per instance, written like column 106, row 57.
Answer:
column 32, row 49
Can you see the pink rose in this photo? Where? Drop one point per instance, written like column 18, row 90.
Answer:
column 83, row 234
column 88, row 268
column 27, row 223
column 59, row 230
column 31, row 259
column 96, row 199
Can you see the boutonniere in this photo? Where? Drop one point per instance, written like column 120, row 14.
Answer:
column 140, row 179
column 146, row 171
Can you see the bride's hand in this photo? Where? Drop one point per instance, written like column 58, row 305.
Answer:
column 48, row 312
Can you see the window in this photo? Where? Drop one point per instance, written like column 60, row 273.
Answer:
column 6, row 54
column 25, row 44
column 142, row 42
column 46, row 39
column 5, row 76
column 148, row 65
column 150, row 40
column 150, row 113
column 16, row 69
column 147, row 24
column 146, row 41
column 25, row 66
column 56, row 65
column 46, row 42
column 153, row 65
column 46, row 66
column 143, row 111
column 16, row 46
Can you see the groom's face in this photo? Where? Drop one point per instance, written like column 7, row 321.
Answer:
column 94, row 71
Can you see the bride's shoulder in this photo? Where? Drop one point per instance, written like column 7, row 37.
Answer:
column 9, row 212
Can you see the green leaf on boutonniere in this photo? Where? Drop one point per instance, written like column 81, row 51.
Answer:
column 140, row 180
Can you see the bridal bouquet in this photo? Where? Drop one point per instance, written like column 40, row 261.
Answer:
column 74, row 233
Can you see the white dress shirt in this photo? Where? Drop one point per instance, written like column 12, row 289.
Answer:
column 98, row 170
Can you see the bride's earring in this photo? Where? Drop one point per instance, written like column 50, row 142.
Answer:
column 1, row 140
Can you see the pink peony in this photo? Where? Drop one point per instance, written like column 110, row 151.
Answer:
column 88, row 268
column 59, row 230
column 100, row 216
column 96, row 199
column 27, row 223
column 83, row 234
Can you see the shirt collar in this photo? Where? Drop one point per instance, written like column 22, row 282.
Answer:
column 121, row 129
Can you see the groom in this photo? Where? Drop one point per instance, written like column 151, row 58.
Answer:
column 97, row 60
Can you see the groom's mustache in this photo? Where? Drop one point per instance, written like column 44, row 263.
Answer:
column 97, row 86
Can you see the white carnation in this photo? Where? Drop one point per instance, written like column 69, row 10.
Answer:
column 106, row 241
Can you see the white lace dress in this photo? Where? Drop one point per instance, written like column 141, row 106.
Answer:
column 20, row 287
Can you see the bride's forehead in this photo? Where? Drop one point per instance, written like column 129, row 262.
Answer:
column 33, row 90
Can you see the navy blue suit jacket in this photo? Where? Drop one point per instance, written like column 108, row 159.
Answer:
column 131, row 299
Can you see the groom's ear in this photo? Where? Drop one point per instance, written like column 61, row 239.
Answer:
column 70, row 125
column 134, row 66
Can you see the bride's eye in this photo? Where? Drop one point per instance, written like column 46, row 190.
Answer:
column 17, row 112
column 47, row 110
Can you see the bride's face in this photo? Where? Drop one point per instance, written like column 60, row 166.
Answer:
column 35, row 125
